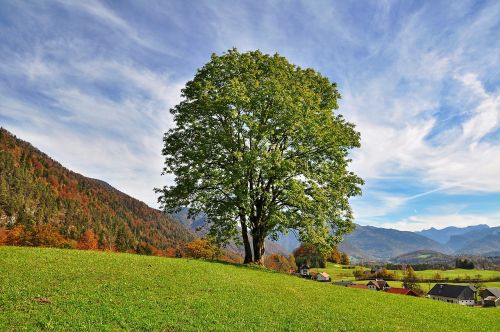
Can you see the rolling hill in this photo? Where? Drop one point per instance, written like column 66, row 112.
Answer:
column 61, row 290
column 424, row 257
column 44, row 203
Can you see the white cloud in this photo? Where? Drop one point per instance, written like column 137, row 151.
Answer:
column 118, row 140
column 107, row 16
column 392, row 85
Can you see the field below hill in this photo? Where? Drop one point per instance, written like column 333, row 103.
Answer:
column 340, row 272
column 343, row 272
column 56, row 289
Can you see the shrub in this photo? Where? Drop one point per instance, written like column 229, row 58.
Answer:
column 202, row 248
column 280, row 263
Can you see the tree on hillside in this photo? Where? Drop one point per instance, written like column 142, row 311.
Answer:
column 410, row 279
column 334, row 256
column 88, row 241
column 310, row 255
column 258, row 148
column 344, row 259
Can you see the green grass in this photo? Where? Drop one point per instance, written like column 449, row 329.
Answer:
column 425, row 285
column 108, row 291
column 337, row 272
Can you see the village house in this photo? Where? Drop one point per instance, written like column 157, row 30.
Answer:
column 377, row 284
column 401, row 291
column 304, row 271
column 323, row 276
column 459, row 294
column 490, row 297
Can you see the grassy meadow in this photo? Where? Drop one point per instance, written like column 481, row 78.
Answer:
column 55, row 289
column 339, row 272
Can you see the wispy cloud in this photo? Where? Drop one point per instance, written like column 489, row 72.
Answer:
column 91, row 83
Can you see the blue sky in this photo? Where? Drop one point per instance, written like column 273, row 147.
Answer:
column 90, row 83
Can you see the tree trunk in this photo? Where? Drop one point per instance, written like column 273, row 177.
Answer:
column 246, row 242
column 258, row 248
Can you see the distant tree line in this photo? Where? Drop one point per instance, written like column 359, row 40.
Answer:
column 419, row 267
column 464, row 263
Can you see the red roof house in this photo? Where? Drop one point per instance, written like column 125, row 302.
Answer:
column 401, row 291
column 358, row 286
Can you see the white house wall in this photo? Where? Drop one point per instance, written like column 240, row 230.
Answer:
column 452, row 300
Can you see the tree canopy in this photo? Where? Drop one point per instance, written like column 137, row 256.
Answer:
column 258, row 148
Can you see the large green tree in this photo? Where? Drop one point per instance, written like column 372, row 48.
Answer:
column 258, row 148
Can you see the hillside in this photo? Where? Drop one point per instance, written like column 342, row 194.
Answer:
column 424, row 257
column 84, row 290
column 43, row 203
column 477, row 242
column 383, row 243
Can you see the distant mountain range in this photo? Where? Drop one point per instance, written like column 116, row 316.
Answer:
column 199, row 226
column 444, row 235
column 374, row 243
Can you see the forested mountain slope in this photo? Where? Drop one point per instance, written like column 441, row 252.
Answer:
column 43, row 203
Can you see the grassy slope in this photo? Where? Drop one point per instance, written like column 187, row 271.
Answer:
column 108, row 291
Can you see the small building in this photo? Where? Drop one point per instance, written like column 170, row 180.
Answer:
column 459, row 294
column 358, row 286
column 401, row 291
column 323, row 276
column 491, row 301
column 377, row 284
column 304, row 271
column 490, row 297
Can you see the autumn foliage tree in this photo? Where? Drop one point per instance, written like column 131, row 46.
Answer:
column 309, row 254
column 88, row 241
column 280, row 263
column 410, row 280
column 202, row 248
column 344, row 259
column 259, row 148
